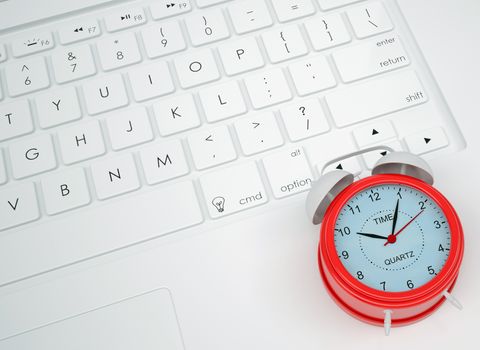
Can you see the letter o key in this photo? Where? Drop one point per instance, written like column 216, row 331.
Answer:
column 195, row 66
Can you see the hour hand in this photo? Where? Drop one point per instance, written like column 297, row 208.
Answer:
column 372, row 235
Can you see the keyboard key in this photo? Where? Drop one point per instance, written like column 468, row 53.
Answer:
column 372, row 133
column 32, row 43
column 249, row 15
column 326, row 32
column 83, row 29
column 288, row 10
column 118, row 51
column 153, row 80
column 164, row 8
column 196, row 68
column 3, row 53
column 288, row 172
column 58, row 107
column 371, row 158
column 351, row 165
column 65, row 190
column 370, row 19
column 319, row 150
column 115, row 176
column 163, row 161
column 26, row 76
column 241, row 56
column 312, row 75
column 18, row 205
column 367, row 59
column 427, row 141
column 376, row 97
column 211, row 147
column 176, row 114
column 81, row 141
column 32, row 156
column 163, row 39
column 222, row 101
column 73, row 63
column 258, row 133
column 104, row 94
column 233, row 189
column 207, row 27
column 15, row 119
column 331, row 4
column 284, row 44
column 3, row 172
column 128, row 128
column 205, row 3
column 125, row 19
column 304, row 119
column 268, row 88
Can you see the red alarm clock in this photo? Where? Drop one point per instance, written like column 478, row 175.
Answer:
column 391, row 245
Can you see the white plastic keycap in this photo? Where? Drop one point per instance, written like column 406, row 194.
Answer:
column 3, row 53
column 288, row 10
column 249, row 15
column 268, row 88
column 15, row 119
column 32, row 156
column 176, row 114
column 211, row 147
column 241, row 56
column 128, row 128
column 79, row 30
column 81, row 141
column 404, row 91
column 126, row 18
column 351, row 165
column 163, row 39
column 58, row 107
column 207, row 27
column 369, row 19
column 105, row 93
column 163, row 161
column 25, row 76
column 65, row 190
column 371, row 158
column 371, row 58
column 118, row 51
column 304, row 119
column 18, row 205
column 222, row 101
column 328, row 31
column 73, row 63
column 243, row 190
column 153, row 80
column 30, row 43
column 372, row 133
column 196, row 68
column 163, row 9
column 288, row 172
column 312, row 75
column 426, row 140
column 331, row 4
column 115, row 176
column 258, row 133
column 3, row 172
column 284, row 44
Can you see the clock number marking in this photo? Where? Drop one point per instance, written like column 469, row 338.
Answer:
column 344, row 231
column 345, row 254
column 440, row 248
column 360, row 275
column 437, row 224
column 374, row 196
column 422, row 205
column 410, row 284
column 399, row 194
column 383, row 284
column 353, row 209
column 431, row 270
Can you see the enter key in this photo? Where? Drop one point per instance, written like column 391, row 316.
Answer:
column 374, row 57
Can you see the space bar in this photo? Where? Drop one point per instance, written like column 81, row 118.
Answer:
column 78, row 236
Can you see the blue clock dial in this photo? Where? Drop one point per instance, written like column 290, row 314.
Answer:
column 392, row 237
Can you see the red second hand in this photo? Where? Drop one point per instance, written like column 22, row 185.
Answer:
column 393, row 238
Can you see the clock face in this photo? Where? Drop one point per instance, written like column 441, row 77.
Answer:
column 392, row 237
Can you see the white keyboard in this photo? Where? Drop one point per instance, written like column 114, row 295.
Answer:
column 226, row 105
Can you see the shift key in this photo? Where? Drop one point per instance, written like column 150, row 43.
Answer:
column 375, row 98
column 233, row 189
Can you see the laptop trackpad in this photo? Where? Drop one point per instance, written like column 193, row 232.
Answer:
column 147, row 321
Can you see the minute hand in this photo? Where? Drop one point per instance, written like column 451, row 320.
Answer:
column 405, row 226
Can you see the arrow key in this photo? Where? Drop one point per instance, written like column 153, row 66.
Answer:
column 374, row 133
column 427, row 141
column 371, row 158
column 350, row 164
